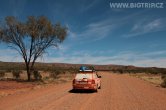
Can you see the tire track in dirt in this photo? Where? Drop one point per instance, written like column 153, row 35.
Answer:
column 118, row 92
column 69, row 102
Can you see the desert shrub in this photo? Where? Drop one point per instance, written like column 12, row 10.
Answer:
column 37, row 75
column 46, row 78
column 54, row 74
column 72, row 70
column 16, row 74
column 163, row 77
column 2, row 74
column 163, row 84
column 121, row 71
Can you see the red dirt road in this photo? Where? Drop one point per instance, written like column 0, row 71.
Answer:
column 118, row 92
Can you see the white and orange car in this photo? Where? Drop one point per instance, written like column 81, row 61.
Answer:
column 87, row 80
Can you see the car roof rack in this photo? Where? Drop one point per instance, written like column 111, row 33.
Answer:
column 86, row 70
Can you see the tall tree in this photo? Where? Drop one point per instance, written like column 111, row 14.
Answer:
column 31, row 38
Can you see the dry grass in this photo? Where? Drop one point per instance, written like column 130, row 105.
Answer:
column 61, row 78
column 45, row 76
column 155, row 79
column 8, row 87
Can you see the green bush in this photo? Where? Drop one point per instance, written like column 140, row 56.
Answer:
column 2, row 74
column 37, row 75
column 163, row 77
column 16, row 74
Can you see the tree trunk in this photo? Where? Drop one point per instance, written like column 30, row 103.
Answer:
column 28, row 72
column 29, row 75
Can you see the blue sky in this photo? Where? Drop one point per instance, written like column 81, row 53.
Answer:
column 97, row 34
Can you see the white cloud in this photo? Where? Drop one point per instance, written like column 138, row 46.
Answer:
column 148, row 59
column 144, row 27
column 71, row 34
column 147, row 62
column 88, row 5
column 103, row 28
column 98, row 30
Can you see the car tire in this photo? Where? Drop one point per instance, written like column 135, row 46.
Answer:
column 96, row 90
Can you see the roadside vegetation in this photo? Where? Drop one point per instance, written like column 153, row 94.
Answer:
column 153, row 75
column 43, row 73
column 52, row 72
column 152, row 78
column 163, row 77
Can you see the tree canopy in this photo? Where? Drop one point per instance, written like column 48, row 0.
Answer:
column 31, row 38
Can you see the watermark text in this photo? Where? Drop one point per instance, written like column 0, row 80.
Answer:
column 136, row 5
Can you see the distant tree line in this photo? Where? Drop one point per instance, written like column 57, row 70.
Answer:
column 10, row 66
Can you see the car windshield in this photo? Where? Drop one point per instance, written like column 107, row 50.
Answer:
column 82, row 76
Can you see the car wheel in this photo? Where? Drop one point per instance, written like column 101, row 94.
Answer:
column 96, row 90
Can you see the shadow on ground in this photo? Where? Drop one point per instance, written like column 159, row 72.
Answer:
column 81, row 91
